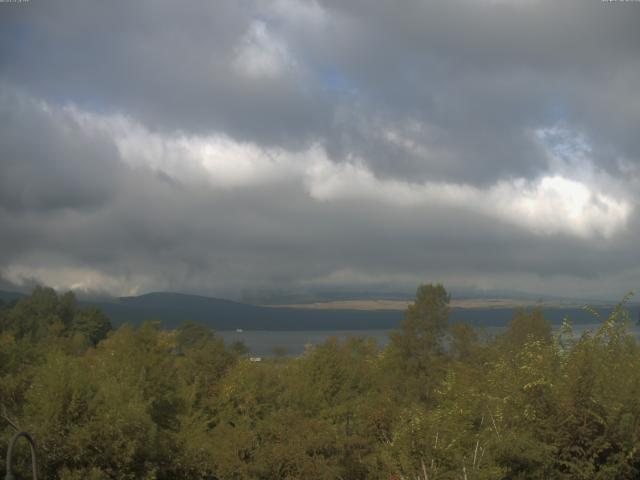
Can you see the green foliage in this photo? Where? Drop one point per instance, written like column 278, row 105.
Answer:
column 425, row 324
column 416, row 350
column 90, row 323
column 45, row 315
column 527, row 327
column 439, row 402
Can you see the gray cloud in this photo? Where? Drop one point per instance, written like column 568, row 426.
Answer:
column 110, row 114
column 48, row 162
column 481, row 73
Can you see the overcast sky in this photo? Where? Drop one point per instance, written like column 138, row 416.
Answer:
column 215, row 147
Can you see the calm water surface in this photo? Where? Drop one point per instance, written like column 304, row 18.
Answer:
column 262, row 343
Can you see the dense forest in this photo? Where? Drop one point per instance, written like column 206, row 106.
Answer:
column 441, row 401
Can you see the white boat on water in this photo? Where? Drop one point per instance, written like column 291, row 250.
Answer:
column 239, row 330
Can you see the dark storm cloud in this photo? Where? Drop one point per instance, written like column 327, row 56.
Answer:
column 487, row 72
column 48, row 162
column 482, row 74
column 167, row 63
column 411, row 91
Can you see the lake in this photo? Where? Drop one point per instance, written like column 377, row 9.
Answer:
column 263, row 342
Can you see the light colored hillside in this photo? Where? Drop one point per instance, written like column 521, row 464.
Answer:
column 402, row 304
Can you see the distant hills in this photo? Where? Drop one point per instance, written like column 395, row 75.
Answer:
column 9, row 296
column 174, row 308
column 301, row 295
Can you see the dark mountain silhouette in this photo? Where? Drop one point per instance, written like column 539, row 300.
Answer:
column 6, row 296
column 172, row 309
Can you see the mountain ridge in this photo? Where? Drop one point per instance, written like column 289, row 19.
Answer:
column 172, row 309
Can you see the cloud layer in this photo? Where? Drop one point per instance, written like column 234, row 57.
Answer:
column 214, row 148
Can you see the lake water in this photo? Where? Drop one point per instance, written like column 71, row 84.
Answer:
column 262, row 343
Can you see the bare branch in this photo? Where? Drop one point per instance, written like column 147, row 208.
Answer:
column 475, row 453
column 14, row 423
column 424, row 469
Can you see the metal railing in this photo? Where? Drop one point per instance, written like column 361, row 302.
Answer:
column 34, row 461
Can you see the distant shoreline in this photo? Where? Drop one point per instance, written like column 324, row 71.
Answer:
column 464, row 303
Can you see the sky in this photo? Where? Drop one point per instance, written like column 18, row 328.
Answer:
column 239, row 146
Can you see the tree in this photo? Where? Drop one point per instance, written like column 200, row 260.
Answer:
column 37, row 316
column 416, row 348
column 526, row 327
column 464, row 341
column 91, row 323
column 425, row 323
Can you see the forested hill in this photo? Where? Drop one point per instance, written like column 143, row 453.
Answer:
column 174, row 308
column 10, row 296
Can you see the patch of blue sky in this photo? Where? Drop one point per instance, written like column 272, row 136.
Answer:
column 334, row 80
column 565, row 142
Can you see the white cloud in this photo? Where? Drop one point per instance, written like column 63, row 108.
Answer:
column 307, row 14
column 555, row 204
column 77, row 279
column 214, row 160
column 552, row 204
column 516, row 3
column 261, row 54
column 549, row 205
